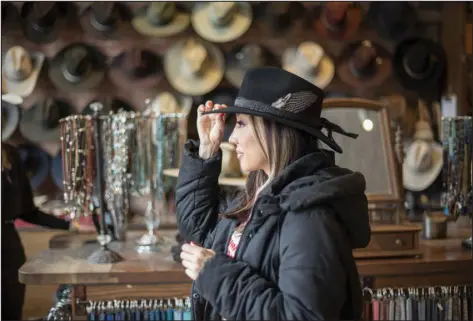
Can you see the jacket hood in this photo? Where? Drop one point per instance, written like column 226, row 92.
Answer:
column 315, row 180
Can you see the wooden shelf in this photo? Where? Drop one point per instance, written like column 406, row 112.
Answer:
column 226, row 181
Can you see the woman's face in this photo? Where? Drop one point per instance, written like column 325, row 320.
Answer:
column 248, row 149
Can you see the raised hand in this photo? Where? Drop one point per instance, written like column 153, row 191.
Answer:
column 210, row 128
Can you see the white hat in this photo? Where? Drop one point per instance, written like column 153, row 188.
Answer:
column 422, row 165
column 221, row 21
column 310, row 62
column 20, row 71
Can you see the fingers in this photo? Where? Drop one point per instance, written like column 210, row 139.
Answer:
column 192, row 274
column 208, row 106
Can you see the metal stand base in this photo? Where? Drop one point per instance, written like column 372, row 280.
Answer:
column 467, row 243
column 104, row 255
column 150, row 243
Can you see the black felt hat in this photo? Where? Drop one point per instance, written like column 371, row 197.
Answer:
column 420, row 65
column 278, row 95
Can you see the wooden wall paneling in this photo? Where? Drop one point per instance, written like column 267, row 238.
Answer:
column 453, row 41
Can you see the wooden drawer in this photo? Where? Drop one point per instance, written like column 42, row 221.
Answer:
column 391, row 241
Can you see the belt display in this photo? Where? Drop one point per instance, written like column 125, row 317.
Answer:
column 433, row 303
column 126, row 310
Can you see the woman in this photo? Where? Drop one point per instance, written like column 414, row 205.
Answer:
column 17, row 202
column 282, row 249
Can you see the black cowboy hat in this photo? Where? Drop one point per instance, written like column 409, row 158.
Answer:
column 77, row 67
column 420, row 65
column 44, row 21
column 278, row 95
column 105, row 19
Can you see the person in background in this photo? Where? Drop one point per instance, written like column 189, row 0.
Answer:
column 17, row 202
column 282, row 249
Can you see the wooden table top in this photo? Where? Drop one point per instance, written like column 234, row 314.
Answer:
column 66, row 262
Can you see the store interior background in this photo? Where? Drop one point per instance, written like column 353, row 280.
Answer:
column 276, row 27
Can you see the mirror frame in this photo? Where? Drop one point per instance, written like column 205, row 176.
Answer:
column 393, row 166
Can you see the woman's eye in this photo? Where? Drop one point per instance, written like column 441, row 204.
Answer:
column 240, row 123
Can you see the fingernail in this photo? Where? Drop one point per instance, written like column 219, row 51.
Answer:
column 192, row 243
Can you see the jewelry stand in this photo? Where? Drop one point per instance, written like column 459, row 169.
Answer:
column 457, row 171
column 103, row 255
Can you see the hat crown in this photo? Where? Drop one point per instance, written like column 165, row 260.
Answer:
column 335, row 14
column 76, row 64
column 160, row 13
column 222, row 12
column 18, row 65
column 251, row 55
column 363, row 62
column 419, row 156
column 276, row 87
column 103, row 15
column 43, row 15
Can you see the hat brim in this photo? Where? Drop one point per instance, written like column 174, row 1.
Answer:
column 240, row 23
column 25, row 87
column 418, row 181
column 32, row 129
column 178, row 24
column 11, row 121
column 310, row 129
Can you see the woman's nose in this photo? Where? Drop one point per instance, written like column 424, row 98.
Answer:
column 232, row 139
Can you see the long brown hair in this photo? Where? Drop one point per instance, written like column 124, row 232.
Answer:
column 281, row 145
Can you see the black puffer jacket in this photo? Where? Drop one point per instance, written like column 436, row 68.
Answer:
column 294, row 261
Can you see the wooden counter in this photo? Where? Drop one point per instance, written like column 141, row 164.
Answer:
column 66, row 263
column 444, row 262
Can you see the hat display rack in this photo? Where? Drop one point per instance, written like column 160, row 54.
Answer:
column 132, row 51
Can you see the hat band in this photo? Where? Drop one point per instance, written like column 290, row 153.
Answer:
column 319, row 123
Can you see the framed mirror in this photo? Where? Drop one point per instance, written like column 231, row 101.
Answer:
column 372, row 153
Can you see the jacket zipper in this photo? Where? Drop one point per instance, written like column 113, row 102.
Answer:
column 244, row 239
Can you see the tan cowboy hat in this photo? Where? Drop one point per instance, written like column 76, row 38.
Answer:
column 338, row 20
column 364, row 64
column 221, row 21
column 422, row 165
column 194, row 67
column 20, row 71
column 309, row 61
column 41, row 122
column 77, row 67
column 160, row 19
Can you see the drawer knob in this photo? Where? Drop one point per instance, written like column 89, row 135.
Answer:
column 398, row 242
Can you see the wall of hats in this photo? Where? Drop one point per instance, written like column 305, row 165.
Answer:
column 58, row 57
